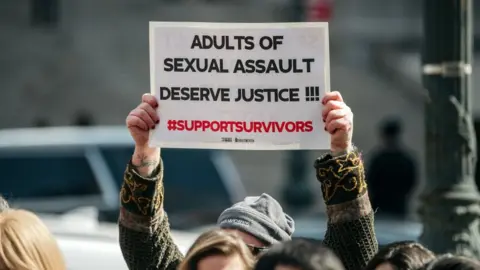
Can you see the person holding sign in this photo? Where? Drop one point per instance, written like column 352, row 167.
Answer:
column 145, row 238
column 240, row 82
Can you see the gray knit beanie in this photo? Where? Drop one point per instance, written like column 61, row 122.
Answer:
column 261, row 216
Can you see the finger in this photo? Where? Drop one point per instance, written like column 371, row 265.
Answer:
column 335, row 114
column 338, row 124
column 335, row 95
column 144, row 116
column 332, row 105
column 150, row 110
column 150, row 99
column 135, row 121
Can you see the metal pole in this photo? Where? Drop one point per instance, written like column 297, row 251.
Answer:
column 450, row 209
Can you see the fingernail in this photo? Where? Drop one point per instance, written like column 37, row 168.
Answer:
column 156, row 105
column 158, row 121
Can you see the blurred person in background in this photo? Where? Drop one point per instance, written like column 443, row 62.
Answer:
column 83, row 119
column 44, row 12
column 452, row 262
column 218, row 250
column 27, row 244
column 405, row 255
column 145, row 238
column 299, row 254
column 41, row 122
column 391, row 161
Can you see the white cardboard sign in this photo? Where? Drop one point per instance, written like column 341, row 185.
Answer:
column 255, row 86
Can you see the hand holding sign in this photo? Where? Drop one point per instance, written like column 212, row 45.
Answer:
column 140, row 121
column 336, row 115
column 338, row 119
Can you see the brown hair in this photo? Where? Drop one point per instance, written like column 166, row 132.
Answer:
column 402, row 255
column 300, row 253
column 27, row 244
column 217, row 242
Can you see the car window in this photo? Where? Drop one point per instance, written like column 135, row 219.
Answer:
column 195, row 192
column 193, row 186
column 46, row 174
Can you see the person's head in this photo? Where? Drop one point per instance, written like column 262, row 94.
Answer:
column 299, row 254
column 452, row 262
column 391, row 129
column 83, row 119
column 26, row 243
column 404, row 255
column 218, row 250
column 259, row 221
column 41, row 122
column 3, row 204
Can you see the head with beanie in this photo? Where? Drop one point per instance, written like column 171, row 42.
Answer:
column 259, row 218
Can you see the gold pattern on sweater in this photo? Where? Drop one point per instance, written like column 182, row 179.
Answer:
column 147, row 244
column 345, row 172
column 128, row 191
column 159, row 194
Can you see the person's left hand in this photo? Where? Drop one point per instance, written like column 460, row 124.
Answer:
column 338, row 119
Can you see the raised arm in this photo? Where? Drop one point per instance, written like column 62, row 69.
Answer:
column 350, row 231
column 145, row 238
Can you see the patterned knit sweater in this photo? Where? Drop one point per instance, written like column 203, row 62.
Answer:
column 147, row 244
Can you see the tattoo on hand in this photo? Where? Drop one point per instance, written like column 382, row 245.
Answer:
column 144, row 162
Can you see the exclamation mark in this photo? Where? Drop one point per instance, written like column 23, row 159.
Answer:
column 307, row 93
column 317, row 93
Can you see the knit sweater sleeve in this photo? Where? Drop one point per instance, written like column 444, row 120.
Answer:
column 350, row 231
column 145, row 238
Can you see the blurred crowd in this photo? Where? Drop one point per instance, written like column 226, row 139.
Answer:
column 255, row 233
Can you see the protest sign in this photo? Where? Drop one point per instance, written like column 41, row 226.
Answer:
column 239, row 86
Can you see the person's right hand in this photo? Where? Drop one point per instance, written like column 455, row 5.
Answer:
column 142, row 119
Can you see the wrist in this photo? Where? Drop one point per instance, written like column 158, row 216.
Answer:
column 146, row 151
column 145, row 160
column 343, row 150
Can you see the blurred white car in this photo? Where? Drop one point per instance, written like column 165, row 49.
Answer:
column 83, row 166
column 89, row 244
column 71, row 177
